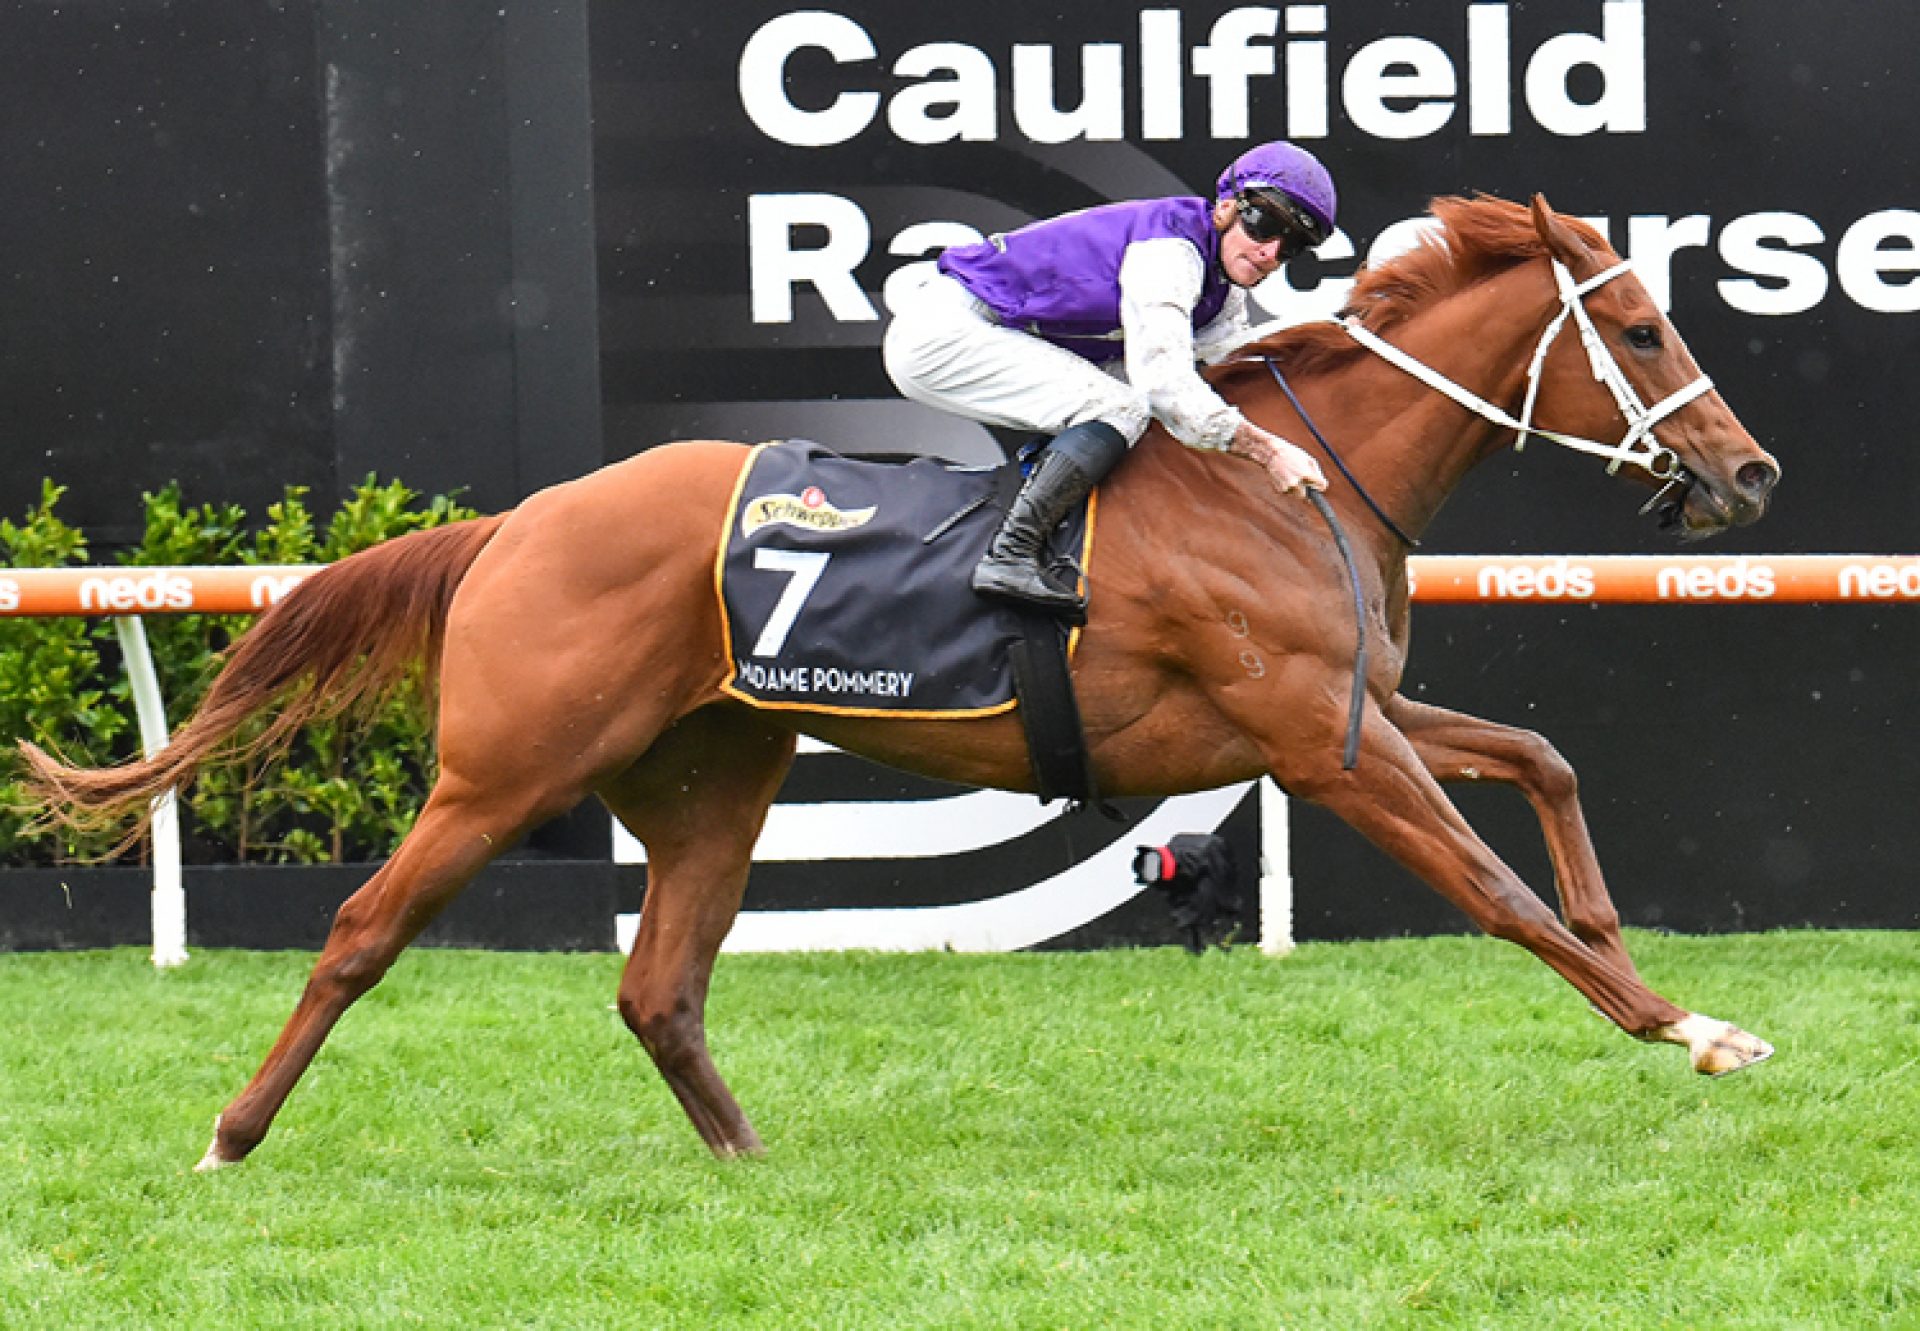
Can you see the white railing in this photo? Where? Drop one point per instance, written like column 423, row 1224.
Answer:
column 125, row 594
column 128, row 593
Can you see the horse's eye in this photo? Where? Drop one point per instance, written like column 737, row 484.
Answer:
column 1644, row 337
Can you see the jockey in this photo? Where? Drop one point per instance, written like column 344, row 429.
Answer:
column 1013, row 331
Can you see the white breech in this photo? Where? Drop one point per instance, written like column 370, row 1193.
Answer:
column 944, row 349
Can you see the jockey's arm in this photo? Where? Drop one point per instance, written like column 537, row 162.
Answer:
column 1160, row 282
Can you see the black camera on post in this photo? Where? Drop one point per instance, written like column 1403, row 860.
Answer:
column 1201, row 881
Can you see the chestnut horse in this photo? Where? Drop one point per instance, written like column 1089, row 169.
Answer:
column 579, row 649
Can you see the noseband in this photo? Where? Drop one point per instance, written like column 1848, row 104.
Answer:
column 1637, row 446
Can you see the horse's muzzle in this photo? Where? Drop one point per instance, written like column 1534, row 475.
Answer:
column 1694, row 508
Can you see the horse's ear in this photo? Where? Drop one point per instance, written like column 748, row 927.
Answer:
column 1561, row 240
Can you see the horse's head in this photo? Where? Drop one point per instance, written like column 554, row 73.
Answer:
column 1709, row 471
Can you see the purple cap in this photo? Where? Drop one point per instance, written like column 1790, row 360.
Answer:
column 1293, row 171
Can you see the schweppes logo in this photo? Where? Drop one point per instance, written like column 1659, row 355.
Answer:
column 808, row 509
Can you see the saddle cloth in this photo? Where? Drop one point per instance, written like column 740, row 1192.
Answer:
column 843, row 583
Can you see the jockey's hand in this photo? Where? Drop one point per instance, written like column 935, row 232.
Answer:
column 1290, row 468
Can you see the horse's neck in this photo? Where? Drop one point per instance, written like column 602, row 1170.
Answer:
column 1408, row 445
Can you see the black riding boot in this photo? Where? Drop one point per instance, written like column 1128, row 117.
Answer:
column 1068, row 470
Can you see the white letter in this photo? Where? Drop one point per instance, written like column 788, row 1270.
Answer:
column 1278, row 296
column 1489, row 70
column 776, row 266
column 1367, row 85
column 1620, row 55
column 1226, row 62
column 763, row 77
column 916, row 240
column 1161, row 110
column 1399, row 237
column 1864, row 255
column 970, row 92
column 1652, row 242
column 1100, row 117
column 1800, row 280
column 1308, row 100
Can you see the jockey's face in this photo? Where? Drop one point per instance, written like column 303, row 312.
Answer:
column 1246, row 261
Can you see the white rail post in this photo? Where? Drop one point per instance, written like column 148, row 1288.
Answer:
column 169, row 894
column 1276, row 872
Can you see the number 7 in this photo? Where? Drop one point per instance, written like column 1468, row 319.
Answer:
column 806, row 566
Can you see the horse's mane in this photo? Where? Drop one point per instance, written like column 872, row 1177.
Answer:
column 1476, row 238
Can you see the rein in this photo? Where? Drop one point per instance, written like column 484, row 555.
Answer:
column 1638, row 446
column 1387, row 522
column 1357, row 699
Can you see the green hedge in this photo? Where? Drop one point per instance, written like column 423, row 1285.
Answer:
column 337, row 795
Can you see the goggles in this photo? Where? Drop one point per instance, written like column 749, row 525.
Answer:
column 1269, row 215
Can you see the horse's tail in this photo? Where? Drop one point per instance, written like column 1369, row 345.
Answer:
column 336, row 643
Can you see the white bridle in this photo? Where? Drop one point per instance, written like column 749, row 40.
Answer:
column 1638, row 445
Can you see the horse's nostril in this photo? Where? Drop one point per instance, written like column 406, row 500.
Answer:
column 1756, row 480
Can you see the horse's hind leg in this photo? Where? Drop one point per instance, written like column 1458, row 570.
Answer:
column 697, row 800
column 457, row 833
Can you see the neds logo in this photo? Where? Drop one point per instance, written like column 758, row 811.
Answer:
column 155, row 591
column 1880, row 581
column 9, row 594
column 1558, row 580
column 267, row 589
column 1741, row 580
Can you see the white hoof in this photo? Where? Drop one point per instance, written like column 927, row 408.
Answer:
column 1716, row 1047
column 211, row 1160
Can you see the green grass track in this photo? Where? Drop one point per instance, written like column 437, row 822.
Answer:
column 1422, row 1133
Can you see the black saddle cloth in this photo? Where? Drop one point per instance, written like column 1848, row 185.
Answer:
column 844, row 585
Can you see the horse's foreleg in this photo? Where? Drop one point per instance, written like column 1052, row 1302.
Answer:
column 453, row 840
column 697, row 800
column 1458, row 747
column 1393, row 800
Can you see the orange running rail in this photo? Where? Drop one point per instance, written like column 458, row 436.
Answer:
column 1664, row 579
column 1437, row 580
column 193, row 589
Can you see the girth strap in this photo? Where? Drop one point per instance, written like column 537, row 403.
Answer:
column 1050, row 713
column 1049, row 710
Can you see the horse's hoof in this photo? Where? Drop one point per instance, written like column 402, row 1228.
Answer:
column 1717, row 1047
column 212, row 1159
column 749, row 1147
column 1733, row 1050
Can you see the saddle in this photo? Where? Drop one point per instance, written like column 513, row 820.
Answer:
column 843, row 585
